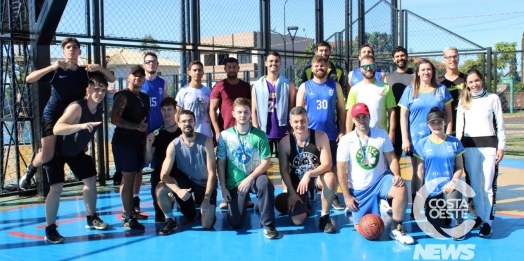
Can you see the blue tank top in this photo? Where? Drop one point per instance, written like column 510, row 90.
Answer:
column 321, row 100
column 358, row 76
column 155, row 90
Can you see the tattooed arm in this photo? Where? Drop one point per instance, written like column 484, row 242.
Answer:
column 119, row 105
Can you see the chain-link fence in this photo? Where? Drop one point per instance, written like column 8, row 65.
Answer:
column 117, row 34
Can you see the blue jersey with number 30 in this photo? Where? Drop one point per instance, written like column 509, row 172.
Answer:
column 321, row 102
column 155, row 90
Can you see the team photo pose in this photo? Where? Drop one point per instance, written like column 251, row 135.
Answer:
column 74, row 130
column 415, row 104
column 484, row 140
column 305, row 158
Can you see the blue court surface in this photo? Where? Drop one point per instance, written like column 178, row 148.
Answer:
column 22, row 229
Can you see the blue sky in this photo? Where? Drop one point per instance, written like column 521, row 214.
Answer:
column 484, row 22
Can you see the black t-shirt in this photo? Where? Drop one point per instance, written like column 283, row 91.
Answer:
column 67, row 86
column 306, row 161
column 137, row 108
column 454, row 88
column 398, row 83
column 162, row 140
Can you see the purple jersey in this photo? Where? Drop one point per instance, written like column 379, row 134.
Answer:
column 273, row 130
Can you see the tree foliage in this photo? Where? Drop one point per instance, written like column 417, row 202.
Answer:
column 149, row 45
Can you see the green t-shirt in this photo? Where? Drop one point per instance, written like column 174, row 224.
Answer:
column 244, row 158
column 377, row 96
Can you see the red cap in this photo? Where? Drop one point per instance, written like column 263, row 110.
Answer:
column 359, row 108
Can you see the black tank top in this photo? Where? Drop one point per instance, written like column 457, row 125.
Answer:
column 303, row 162
column 73, row 144
column 137, row 108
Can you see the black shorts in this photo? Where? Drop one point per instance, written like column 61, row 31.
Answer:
column 47, row 127
column 82, row 165
column 333, row 146
column 301, row 208
column 183, row 181
column 128, row 158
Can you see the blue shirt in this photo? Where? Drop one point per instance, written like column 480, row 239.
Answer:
column 321, row 102
column 155, row 90
column 419, row 108
column 439, row 159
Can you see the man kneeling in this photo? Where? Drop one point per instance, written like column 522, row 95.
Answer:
column 76, row 128
column 369, row 179
column 194, row 172
column 305, row 158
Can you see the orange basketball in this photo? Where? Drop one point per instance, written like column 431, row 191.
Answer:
column 371, row 226
column 281, row 203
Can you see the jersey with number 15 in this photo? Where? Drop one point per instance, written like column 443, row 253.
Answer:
column 155, row 90
column 321, row 103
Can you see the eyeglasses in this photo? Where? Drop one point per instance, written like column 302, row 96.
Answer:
column 454, row 57
column 151, row 61
column 368, row 66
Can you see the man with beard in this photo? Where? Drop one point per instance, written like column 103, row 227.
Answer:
column 129, row 115
column 376, row 94
column 452, row 79
column 243, row 161
column 195, row 171
column 305, row 162
column 398, row 80
column 321, row 97
column 156, row 146
column 334, row 72
column 223, row 96
column 157, row 89
column 355, row 76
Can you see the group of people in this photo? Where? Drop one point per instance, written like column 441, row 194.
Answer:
column 321, row 137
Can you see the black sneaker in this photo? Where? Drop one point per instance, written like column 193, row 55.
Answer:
column 132, row 223
column 94, row 222
column 485, row 231
column 478, row 223
column 138, row 216
column 326, row 225
column 336, row 204
column 169, row 227
column 25, row 181
column 52, row 235
column 136, row 204
column 271, row 232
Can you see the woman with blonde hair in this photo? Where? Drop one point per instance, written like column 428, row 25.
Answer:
column 415, row 104
column 484, row 141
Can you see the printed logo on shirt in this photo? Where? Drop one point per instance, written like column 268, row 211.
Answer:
column 160, row 91
column 305, row 162
column 62, row 76
column 450, row 149
column 330, row 92
column 372, row 157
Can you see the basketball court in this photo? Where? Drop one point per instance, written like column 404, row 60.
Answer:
column 22, row 229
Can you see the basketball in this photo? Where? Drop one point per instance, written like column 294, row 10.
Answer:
column 371, row 226
column 281, row 203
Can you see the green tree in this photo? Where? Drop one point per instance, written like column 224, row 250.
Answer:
column 507, row 59
column 301, row 61
column 149, row 45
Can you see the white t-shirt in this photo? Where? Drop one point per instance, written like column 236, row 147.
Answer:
column 197, row 101
column 361, row 176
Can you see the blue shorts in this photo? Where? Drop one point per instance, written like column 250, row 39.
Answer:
column 369, row 198
column 128, row 158
column 333, row 147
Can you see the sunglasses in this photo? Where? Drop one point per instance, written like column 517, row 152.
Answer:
column 151, row 61
column 368, row 66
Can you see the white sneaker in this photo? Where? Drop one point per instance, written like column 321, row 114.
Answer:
column 384, row 205
column 401, row 235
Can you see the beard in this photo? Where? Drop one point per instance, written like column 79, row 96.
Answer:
column 401, row 64
column 232, row 75
column 320, row 74
column 189, row 133
column 151, row 72
column 369, row 75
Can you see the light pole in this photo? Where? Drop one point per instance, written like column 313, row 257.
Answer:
column 284, row 41
column 284, row 38
column 292, row 33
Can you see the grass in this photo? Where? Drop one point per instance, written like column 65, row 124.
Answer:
column 515, row 145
